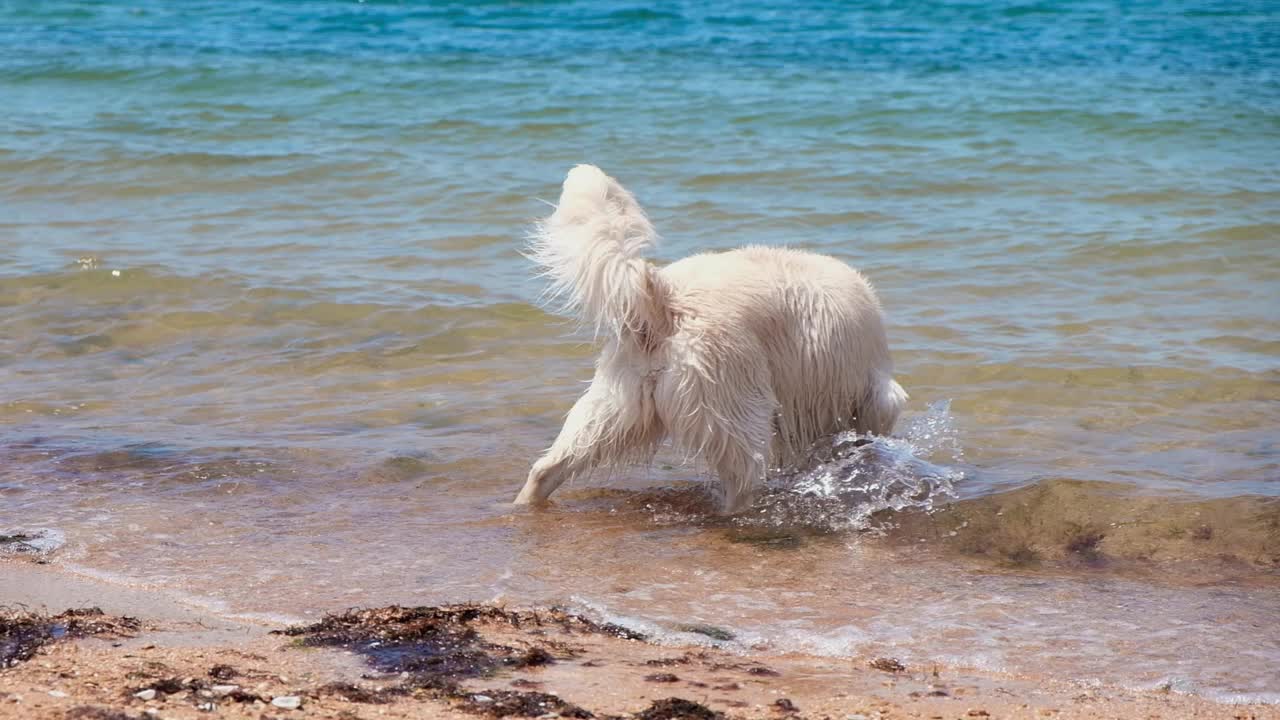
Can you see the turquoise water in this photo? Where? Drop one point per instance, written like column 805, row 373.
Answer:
column 260, row 287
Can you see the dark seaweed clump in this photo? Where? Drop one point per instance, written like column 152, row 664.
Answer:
column 518, row 703
column 91, row 712
column 785, row 705
column 16, row 538
column 223, row 672
column 678, row 709
column 437, row 648
column 440, row 641
column 1083, row 543
column 437, row 643
column 889, row 665
column 23, row 633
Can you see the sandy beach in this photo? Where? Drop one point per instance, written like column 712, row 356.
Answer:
column 483, row 661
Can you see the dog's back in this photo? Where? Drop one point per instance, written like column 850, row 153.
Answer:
column 818, row 323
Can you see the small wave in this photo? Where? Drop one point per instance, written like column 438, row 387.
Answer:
column 601, row 613
column 1185, row 686
column 162, row 593
column 849, row 478
column 642, row 15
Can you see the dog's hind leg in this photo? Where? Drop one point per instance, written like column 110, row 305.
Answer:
column 884, row 402
column 728, row 420
column 607, row 425
column 741, row 472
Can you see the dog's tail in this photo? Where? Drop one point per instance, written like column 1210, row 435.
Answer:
column 591, row 248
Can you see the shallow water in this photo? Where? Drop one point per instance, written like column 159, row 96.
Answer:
column 267, row 341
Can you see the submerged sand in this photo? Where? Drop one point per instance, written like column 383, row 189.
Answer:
column 484, row 661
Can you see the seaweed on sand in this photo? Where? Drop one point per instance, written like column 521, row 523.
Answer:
column 23, row 633
column 86, row 622
column 432, row 641
column 440, row 641
column 505, row 703
column 889, row 665
column 437, row 648
column 223, row 672
column 678, row 709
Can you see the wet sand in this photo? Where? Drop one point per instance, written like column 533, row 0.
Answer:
column 483, row 661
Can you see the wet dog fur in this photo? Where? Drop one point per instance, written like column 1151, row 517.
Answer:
column 741, row 358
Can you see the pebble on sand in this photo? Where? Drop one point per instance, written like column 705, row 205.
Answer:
column 288, row 702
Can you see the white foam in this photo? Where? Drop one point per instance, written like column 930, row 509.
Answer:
column 38, row 541
column 848, row 479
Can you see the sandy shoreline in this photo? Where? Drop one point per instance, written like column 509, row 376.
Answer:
column 193, row 657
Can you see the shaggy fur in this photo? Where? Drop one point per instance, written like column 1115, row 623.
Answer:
column 742, row 358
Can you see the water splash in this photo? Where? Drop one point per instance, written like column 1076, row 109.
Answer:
column 847, row 478
column 40, row 543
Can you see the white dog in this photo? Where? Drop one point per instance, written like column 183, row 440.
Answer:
column 743, row 358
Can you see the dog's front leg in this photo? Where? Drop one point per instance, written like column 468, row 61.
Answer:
column 551, row 470
column 595, row 432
